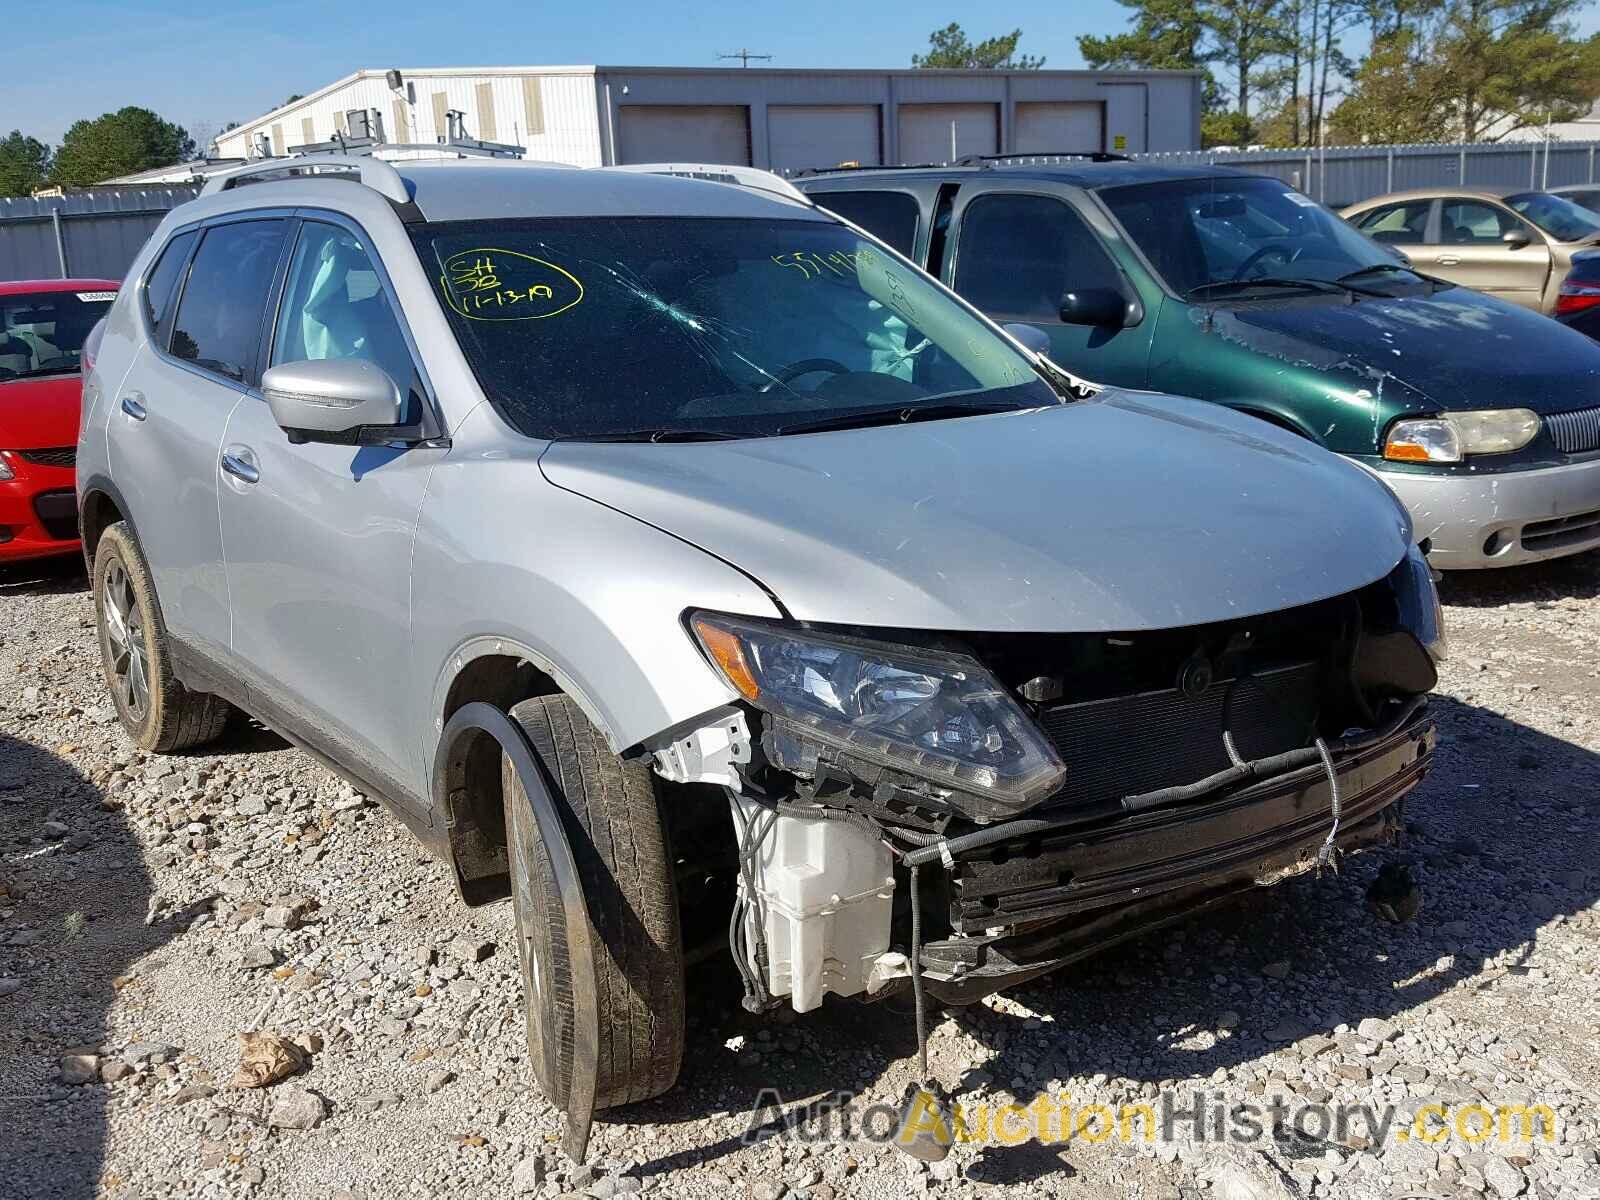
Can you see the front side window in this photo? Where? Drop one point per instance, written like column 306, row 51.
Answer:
column 890, row 216
column 334, row 306
column 161, row 285
column 1403, row 224
column 1564, row 218
column 220, row 312
column 1472, row 222
column 42, row 333
column 586, row 328
column 1019, row 255
column 1202, row 232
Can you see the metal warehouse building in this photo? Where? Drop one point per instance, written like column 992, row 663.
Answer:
column 780, row 119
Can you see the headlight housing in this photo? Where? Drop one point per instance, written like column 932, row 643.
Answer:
column 1450, row 437
column 5, row 468
column 1418, row 599
column 939, row 716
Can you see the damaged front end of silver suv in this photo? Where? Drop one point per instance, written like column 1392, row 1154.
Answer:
column 957, row 815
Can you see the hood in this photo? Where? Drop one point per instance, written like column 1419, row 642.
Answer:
column 1125, row 512
column 1457, row 349
column 39, row 414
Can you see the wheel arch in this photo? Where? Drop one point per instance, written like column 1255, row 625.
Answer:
column 100, row 506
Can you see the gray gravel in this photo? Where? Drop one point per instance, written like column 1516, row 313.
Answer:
column 152, row 909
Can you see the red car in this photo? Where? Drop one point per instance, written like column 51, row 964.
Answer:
column 43, row 325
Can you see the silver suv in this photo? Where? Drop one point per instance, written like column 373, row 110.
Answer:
column 681, row 562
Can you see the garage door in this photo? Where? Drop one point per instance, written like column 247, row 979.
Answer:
column 1057, row 127
column 713, row 133
column 925, row 131
column 822, row 135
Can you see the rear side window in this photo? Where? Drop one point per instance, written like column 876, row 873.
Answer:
column 219, row 318
column 1396, row 224
column 1018, row 255
column 889, row 216
column 161, row 286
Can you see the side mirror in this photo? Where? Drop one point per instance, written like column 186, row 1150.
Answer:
column 1515, row 238
column 348, row 401
column 1094, row 306
column 1031, row 336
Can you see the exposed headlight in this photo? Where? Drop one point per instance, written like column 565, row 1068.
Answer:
column 1452, row 436
column 5, row 468
column 939, row 716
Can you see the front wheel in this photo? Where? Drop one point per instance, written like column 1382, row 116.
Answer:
column 157, row 710
column 611, row 808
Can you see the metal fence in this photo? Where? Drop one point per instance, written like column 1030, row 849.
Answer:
column 81, row 234
column 1343, row 175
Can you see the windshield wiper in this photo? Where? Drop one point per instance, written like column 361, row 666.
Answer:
column 1228, row 287
column 902, row 415
column 1433, row 284
column 656, row 435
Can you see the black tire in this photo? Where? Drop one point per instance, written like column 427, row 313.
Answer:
column 159, row 712
column 611, row 808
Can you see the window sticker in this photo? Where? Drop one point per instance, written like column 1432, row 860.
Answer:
column 1302, row 201
column 490, row 284
column 93, row 297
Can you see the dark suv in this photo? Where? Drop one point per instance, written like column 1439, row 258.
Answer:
column 1236, row 288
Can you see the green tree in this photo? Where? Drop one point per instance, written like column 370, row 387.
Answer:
column 949, row 47
column 24, row 164
column 1248, row 37
column 120, row 143
column 1166, row 35
column 1398, row 94
column 1514, row 63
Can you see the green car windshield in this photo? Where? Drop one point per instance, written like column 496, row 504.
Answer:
column 578, row 327
column 1557, row 216
column 1200, row 232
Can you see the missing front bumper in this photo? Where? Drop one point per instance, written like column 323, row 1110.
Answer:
column 1021, row 909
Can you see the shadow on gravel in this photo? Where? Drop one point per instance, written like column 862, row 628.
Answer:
column 43, row 576
column 1501, row 838
column 1575, row 578
column 71, row 925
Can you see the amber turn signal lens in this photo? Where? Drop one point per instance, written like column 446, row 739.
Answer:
column 1405, row 452
column 728, row 652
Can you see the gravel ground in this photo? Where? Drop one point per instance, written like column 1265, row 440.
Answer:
column 152, row 909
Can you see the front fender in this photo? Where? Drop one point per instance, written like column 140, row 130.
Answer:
column 506, row 563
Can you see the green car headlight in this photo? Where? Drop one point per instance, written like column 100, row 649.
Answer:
column 936, row 715
column 1450, row 437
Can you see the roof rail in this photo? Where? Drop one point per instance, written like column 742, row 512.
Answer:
column 374, row 172
column 847, row 168
column 1041, row 156
column 750, row 177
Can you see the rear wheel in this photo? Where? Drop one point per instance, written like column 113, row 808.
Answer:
column 156, row 709
column 612, row 812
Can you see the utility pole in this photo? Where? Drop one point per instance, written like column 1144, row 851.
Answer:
column 744, row 56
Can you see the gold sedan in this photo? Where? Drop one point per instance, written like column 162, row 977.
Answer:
column 1517, row 245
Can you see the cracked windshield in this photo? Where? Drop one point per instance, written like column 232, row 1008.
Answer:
column 676, row 329
column 1209, row 237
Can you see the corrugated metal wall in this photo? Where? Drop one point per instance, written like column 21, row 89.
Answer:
column 1344, row 175
column 82, row 234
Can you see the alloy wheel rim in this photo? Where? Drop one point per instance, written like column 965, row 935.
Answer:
column 127, row 660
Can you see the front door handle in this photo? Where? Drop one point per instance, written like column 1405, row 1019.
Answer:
column 237, row 461
column 1448, row 260
column 133, row 405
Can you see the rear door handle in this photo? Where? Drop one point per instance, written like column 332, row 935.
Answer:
column 133, row 405
column 237, row 461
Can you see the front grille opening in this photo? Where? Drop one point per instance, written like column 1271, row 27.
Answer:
column 62, row 456
column 1126, row 745
column 1575, row 432
column 1562, row 531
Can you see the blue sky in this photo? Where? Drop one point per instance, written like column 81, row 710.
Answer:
column 234, row 59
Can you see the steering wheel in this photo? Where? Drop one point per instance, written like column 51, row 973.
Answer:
column 801, row 368
column 1287, row 253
